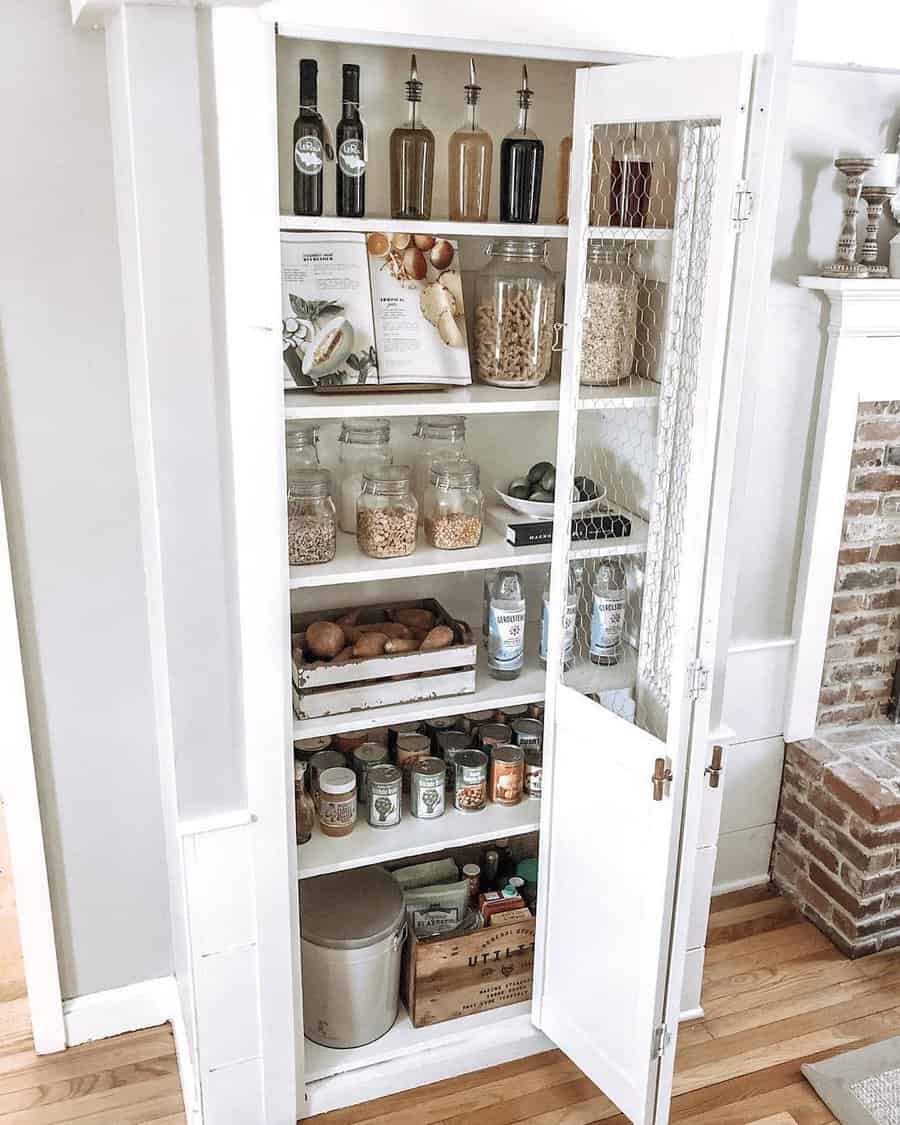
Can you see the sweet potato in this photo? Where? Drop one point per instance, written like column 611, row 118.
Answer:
column 439, row 637
column 344, row 655
column 401, row 644
column 347, row 619
column 395, row 629
column 370, row 644
column 324, row 639
column 414, row 618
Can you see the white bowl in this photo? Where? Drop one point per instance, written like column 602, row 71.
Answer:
column 543, row 509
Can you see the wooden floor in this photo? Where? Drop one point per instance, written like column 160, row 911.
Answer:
column 131, row 1080
column 776, row 993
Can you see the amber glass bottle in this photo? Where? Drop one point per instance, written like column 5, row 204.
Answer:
column 469, row 157
column 412, row 158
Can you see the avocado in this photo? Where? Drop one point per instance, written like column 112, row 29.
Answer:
column 541, row 497
column 519, row 491
column 537, row 471
column 548, row 481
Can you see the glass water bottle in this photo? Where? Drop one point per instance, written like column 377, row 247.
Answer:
column 506, row 625
column 573, row 592
column 608, row 612
column 469, row 157
column 350, row 174
column 412, row 158
column 521, row 165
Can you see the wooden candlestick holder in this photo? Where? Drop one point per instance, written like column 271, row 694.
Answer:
column 875, row 199
column 846, row 265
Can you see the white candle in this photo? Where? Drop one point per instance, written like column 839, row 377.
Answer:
column 884, row 174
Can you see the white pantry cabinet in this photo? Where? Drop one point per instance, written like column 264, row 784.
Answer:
column 627, row 743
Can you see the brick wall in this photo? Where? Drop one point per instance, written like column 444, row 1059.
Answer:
column 837, row 840
column 865, row 618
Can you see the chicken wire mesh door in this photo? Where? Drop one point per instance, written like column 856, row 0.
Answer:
column 651, row 193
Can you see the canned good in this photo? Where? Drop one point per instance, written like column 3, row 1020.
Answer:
column 528, row 733
column 473, row 719
column 384, row 784
column 410, row 748
column 305, row 747
column 509, row 714
column 494, row 734
column 433, row 727
column 507, row 774
column 318, row 763
column 364, row 757
column 396, row 729
column 450, row 743
column 337, row 801
column 534, row 772
column 536, row 711
column 470, row 790
column 377, row 734
column 348, row 740
column 426, row 788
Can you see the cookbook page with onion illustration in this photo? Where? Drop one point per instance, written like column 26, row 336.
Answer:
column 420, row 324
column 328, row 334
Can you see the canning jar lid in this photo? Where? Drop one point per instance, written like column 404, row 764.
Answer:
column 386, row 480
column 310, row 484
column 455, row 474
column 430, row 766
column 300, row 434
column 327, row 759
column 350, row 909
column 519, row 249
column 441, row 426
column 365, row 431
column 383, row 774
column 337, row 780
column 610, row 253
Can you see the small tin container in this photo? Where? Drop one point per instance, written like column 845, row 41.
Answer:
column 433, row 728
column 450, row 743
column 509, row 715
column 411, row 748
column 536, row 711
column 534, row 773
column 396, row 729
column 337, row 801
column 426, row 788
column 364, row 757
column 471, row 872
column 494, row 734
column 470, row 790
column 383, row 784
column 304, row 748
column 348, row 740
column 507, row 774
column 377, row 734
column 318, row 763
column 472, row 720
column 528, row 733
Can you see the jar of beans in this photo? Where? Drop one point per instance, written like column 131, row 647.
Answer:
column 515, row 313
column 454, row 505
column 386, row 512
column 312, row 519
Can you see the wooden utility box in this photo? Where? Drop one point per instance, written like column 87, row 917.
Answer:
column 460, row 976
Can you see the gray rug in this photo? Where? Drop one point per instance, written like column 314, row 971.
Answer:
column 860, row 1087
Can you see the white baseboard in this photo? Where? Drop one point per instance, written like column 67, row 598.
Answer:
column 149, row 1003
column 740, row 884
column 691, row 1014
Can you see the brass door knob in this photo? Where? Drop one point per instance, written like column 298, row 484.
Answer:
column 714, row 769
column 661, row 774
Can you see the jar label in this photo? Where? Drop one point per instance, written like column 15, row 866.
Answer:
column 384, row 806
column 506, row 783
column 336, row 814
column 308, row 156
column 568, row 630
column 533, row 778
column 506, row 638
column 350, row 158
column 606, row 624
column 427, row 797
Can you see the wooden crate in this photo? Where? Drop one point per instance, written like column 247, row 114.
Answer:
column 491, row 968
column 322, row 689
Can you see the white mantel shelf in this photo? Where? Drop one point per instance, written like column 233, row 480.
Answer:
column 862, row 364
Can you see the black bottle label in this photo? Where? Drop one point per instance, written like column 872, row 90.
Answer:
column 350, row 158
column 309, row 157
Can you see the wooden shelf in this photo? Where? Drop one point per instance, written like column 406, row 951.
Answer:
column 432, row 226
column 365, row 845
column 489, row 694
column 479, row 398
column 351, row 565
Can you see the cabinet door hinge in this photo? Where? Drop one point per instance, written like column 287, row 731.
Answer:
column 741, row 205
column 661, row 1040
column 698, row 680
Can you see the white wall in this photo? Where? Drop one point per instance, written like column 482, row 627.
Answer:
column 69, row 479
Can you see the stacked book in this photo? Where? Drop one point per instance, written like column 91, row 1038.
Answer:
column 531, row 531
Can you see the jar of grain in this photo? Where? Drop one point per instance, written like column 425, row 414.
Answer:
column 301, row 439
column 515, row 305
column 337, row 801
column 312, row 520
column 438, row 437
column 362, row 441
column 386, row 512
column 610, row 316
column 454, row 505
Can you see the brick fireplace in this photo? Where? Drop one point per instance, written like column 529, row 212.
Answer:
column 837, row 840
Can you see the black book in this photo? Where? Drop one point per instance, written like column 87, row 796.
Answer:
column 608, row 525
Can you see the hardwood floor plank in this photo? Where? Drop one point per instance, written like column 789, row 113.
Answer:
column 740, row 898
column 73, row 1089
column 109, row 1107
column 760, row 959
column 518, row 1110
column 25, row 1068
column 777, row 942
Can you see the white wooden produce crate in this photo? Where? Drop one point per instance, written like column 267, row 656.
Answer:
column 322, row 689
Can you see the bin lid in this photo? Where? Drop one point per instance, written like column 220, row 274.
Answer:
column 350, row 909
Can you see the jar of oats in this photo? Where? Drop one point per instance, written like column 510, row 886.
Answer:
column 610, row 315
column 386, row 512
column 311, row 517
column 515, row 304
column 454, row 505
